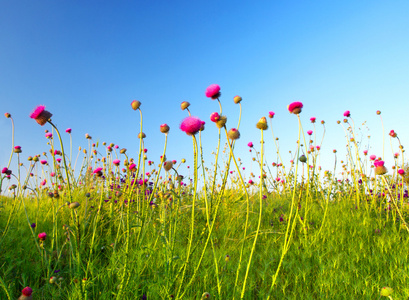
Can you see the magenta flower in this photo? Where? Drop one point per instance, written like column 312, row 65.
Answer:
column 214, row 117
column 42, row 236
column 250, row 144
column 58, row 159
column 48, row 135
column 392, row 133
column 312, row 119
column 271, row 114
column 27, row 291
column 116, row 162
column 318, row 147
column 17, row 149
column 4, row 171
column 295, row 107
column 309, row 132
column 97, row 170
column 213, row 91
column 365, row 152
column 378, row 163
column 372, row 157
column 43, row 162
column 68, row 130
column 347, row 113
column 191, row 125
column 41, row 115
column 132, row 167
column 401, row 172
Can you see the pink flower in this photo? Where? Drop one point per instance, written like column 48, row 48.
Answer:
column 213, row 91
column 43, row 162
column 250, row 144
column 372, row 157
column 365, row 152
column 318, row 147
column 68, row 130
column 392, row 133
column 214, row 117
column 4, row 171
column 191, row 125
column 27, row 291
column 52, row 174
column 401, row 172
column 48, row 135
column 347, row 113
column 58, row 159
column 312, row 119
column 378, row 163
column 116, row 162
column 42, row 236
column 41, row 115
column 309, row 132
column 132, row 167
column 295, row 107
column 271, row 114
column 98, row 172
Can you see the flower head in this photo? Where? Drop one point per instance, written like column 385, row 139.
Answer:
column 26, row 293
column 392, row 133
column 380, row 168
column 184, row 105
column 347, row 113
column 132, row 167
column 48, row 135
column 42, row 236
column 372, row 157
column 17, row 149
column 271, row 114
column 214, row 117
column 309, row 132
column 191, row 125
column 401, row 172
column 98, row 172
column 116, row 162
column 312, row 119
column 68, row 130
column 213, row 91
column 237, row 99
column 233, row 134
column 295, row 107
column 135, row 104
column 250, row 144
column 41, row 115
column 262, row 123
column 164, row 128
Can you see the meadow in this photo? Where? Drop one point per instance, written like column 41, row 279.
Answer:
column 101, row 224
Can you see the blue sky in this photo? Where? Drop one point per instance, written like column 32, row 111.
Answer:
column 87, row 60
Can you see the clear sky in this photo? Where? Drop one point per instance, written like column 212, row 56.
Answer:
column 87, row 60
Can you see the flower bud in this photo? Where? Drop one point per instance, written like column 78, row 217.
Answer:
column 135, row 104
column 262, row 124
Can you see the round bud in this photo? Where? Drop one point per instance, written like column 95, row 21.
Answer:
column 135, row 104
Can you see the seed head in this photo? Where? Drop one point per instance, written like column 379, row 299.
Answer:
column 237, row 99
column 167, row 165
column 386, row 291
column 164, row 128
column 141, row 135
column 184, row 105
column 135, row 104
column 221, row 122
column 233, row 134
column 303, row 158
column 262, row 123
column 74, row 205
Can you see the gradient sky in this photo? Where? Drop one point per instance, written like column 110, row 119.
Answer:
column 87, row 60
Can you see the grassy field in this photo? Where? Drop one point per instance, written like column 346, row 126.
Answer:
column 116, row 232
